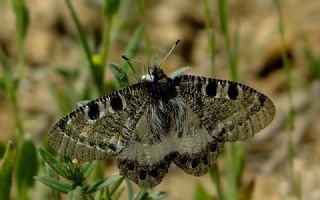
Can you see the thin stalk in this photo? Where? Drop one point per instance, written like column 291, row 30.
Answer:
column 215, row 175
column 287, row 66
column 291, row 117
column 115, row 187
column 210, row 34
column 140, row 194
column 97, row 75
column 11, row 93
column 234, row 161
column 141, row 10
column 107, row 27
column 233, row 192
column 232, row 53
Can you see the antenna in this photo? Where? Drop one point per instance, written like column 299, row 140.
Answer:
column 131, row 59
column 133, row 69
column 172, row 48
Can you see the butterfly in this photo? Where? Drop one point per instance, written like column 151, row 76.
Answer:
column 161, row 120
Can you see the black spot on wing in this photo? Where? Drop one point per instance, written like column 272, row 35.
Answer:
column 93, row 112
column 211, row 89
column 154, row 173
column 195, row 162
column 142, row 174
column 116, row 103
column 205, row 159
column 233, row 91
column 213, row 147
column 199, row 85
column 62, row 124
column 130, row 166
column 262, row 99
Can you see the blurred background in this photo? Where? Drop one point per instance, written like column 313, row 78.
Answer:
column 272, row 46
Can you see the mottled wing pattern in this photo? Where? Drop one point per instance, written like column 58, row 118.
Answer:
column 195, row 148
column 102, row 127
column 230, row 111
column 146, row 159
column 185, row 120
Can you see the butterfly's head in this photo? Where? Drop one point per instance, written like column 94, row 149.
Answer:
column 158, row 74
column 161, row 87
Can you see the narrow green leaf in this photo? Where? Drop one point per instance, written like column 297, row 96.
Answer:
column 290, row 150
column 215, row 176
column 240, row 164
column 141, row 5
column 147, row 195
column 101, row 184
column 133, row 46
column 22, row 19
column 111, row 7
column 120, row 75
column 247, row 190
column 76, row 193
column 54, row 184
column 2, row 149
column 96, row 69
column 209, row 31
column 201, row 193
column 76, row 171
column 313, row 62
column 118, row 193
column 141, row 194
column 54, row 164
column 223, row 16
column 27, row 166
column 130, row 190
column 6, row 169
column 6, row 67
column 156, row 195
column 132, row 49
column 116, row 186
column 133, row 69
column 88, row 167
column 2, row 83
column 62, row 98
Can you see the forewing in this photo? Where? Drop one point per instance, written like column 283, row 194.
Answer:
column 228, row 110
column 102, row 127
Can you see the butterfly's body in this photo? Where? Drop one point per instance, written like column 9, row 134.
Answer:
column 185, row 120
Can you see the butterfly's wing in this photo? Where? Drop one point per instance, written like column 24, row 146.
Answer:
column 229, row 110
column 102, row 127
column 219, row 111
column 146, row 159
column 194, row 147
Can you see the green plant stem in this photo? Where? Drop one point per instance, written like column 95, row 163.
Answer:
column 11, row 93
column 96, row 73
column 210, row 34
column 215, row 175
column 107, row 27
column 291, row 118
column 232, row 52
column 231, row 159
column 21, row 60
column 141, row 9
column 140, row 194
column 115, row 187
column 287, row 66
